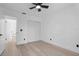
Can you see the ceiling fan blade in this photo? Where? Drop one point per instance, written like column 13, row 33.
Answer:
column 37, row 3
column 44, row 6
column 40, row 3
column 32, row 7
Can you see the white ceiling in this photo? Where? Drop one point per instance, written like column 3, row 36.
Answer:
column 24, row 7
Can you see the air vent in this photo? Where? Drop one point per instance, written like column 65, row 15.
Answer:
column 23, row 13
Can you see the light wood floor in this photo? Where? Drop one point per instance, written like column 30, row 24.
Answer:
column 38, row 48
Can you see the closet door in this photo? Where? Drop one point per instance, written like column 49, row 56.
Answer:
column 2, row 35
column 33, row 31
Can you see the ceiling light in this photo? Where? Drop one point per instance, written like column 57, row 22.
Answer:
column 38, row 7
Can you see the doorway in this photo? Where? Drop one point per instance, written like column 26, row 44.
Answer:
column 10, row 31
column 7, row 31
column 2, row 36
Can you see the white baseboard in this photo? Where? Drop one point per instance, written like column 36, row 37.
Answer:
column 21, row 42
column 54, row 43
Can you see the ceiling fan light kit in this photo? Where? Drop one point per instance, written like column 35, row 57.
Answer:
column 39, row 6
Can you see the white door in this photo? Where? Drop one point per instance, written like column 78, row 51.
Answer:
column 2, row 35
column 33, row 31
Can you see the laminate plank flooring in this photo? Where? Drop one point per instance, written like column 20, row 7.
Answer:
column 38, row 48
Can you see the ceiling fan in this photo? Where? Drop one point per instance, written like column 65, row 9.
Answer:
column 39, row 6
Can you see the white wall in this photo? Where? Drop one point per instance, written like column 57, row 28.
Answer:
column 1, row 12
column 21, row 23
column 63, row 27
column 31, row 32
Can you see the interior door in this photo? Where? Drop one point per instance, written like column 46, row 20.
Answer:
column 2, row 35
column 33, row 31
